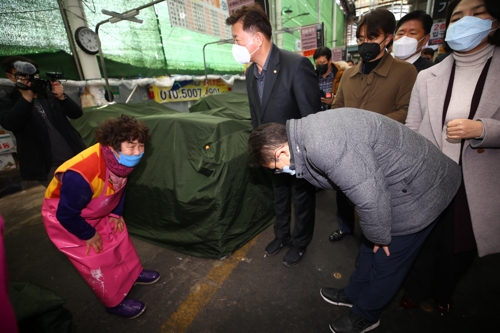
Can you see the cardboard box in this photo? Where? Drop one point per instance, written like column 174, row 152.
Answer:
column 7, row 162
column 6, row 144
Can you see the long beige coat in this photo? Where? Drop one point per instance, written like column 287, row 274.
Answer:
column 480, row 158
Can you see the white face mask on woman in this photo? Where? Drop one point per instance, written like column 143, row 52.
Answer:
column 405, row 47
column 241, row 54
column 467, row 33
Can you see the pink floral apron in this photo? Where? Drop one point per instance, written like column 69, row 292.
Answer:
column 110, row 273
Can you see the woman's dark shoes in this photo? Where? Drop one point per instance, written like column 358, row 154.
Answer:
column 128, row 308
column 406, row 303
column 148, row 277
column 443, row 310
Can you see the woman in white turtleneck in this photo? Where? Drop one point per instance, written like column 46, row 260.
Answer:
column 456, row 105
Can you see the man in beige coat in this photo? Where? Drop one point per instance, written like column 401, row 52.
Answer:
column 378, row 83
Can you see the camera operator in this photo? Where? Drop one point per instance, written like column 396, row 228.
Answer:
column 36, row 112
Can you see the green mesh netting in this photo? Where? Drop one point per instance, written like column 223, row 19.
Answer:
column 151, row 48
column 311, row 6
column 31, row 26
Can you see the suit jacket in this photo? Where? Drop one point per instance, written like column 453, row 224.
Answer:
column 291, row 89
column 422, row 63
column 480, row 158
column 399, row 181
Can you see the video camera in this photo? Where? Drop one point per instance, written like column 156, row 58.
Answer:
column 38, row 86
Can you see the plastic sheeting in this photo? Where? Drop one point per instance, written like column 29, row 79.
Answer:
column 193, row 191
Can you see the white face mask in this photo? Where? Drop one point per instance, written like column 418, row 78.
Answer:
column 405, row 47
column 241, row 54
column 467, row 33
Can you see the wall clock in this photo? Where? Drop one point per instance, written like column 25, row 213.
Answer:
column 86, row 40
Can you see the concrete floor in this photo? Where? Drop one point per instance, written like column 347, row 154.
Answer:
column 245, row 293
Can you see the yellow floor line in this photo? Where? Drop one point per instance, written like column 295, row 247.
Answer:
column 196, row 301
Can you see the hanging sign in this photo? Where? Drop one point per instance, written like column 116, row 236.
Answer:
column 338, row 53
column 311, row 37
column 439, row 10
column 437, row 32
column 190, row 92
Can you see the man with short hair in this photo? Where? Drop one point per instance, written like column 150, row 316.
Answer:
column 329, row 75
column 378, row 83
column 399, row 181
column 412, row 34
column 39, row 121
column 281, row 85
column 428, row 53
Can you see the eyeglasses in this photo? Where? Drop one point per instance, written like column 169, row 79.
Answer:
column 21, row 77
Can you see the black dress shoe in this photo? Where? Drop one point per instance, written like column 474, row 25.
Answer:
column 336, row 236
column 352, row 323
column 275, row 246
column 293, row 256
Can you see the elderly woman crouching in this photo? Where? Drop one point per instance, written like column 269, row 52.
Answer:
column 82, row 213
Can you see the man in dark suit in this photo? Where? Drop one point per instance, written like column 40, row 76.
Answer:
column 281, row 85
column 412, row 34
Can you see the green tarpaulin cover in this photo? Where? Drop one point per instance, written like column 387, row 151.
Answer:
column 193, row 191
column 38, row 309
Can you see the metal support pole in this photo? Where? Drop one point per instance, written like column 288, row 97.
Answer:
column 430, row 6
column 71, row 39
column 334, row 28
column 131, row 93
column 222, row 41
column 103, row 65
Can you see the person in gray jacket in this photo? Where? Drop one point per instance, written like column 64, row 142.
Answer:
column 398, row 180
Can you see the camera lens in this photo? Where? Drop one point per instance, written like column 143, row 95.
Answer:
column 41, row 86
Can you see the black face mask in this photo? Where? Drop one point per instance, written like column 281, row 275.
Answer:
column 369, row 51
column 322, row 69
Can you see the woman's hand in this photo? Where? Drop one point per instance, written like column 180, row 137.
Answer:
column 95, row 242
column 458, row 129
column 118, row 223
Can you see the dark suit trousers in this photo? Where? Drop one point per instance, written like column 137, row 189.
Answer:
column 379, row 277
column 437, row 269
column 304, row 199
